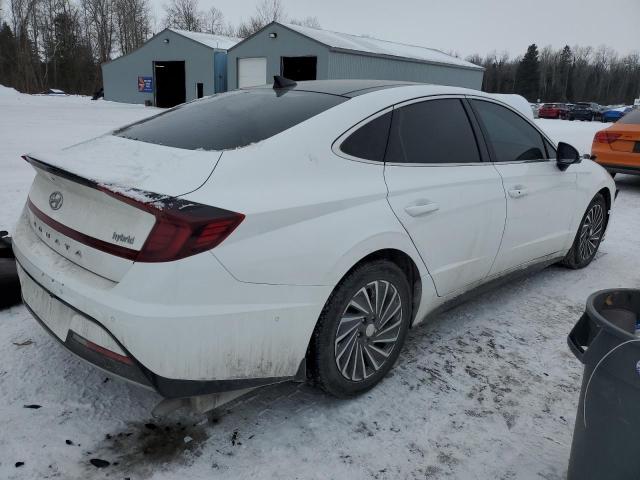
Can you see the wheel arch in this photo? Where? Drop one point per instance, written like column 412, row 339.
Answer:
column 606, row 193
column 405, row 263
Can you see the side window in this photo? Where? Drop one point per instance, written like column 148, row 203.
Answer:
column 433, row 131
column 511, row 137
column 369, row 142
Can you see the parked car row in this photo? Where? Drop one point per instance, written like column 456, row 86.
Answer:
column 587, row 111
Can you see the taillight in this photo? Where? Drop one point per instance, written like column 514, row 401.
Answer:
column 604, row 136
column 182, row 228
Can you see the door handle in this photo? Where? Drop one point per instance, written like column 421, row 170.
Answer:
column 421, row 209
column 518, row 191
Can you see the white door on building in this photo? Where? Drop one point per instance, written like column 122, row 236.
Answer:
column 252, row 72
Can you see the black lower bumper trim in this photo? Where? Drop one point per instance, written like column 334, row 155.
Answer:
column 138, row 373
column 621, row 169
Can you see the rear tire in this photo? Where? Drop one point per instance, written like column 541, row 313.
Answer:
column 589, row 235
column 361, row 329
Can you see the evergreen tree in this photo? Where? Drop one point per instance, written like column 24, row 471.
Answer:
column 7, row 55
column 565, row 92
column 528, row 74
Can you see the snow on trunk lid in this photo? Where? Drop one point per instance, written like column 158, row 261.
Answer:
column 134, row 165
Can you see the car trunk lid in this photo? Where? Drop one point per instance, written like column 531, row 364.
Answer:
column 100, row 217
column 132, row 164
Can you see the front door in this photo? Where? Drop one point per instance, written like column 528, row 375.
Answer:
column 450, row 202
column 540, row 197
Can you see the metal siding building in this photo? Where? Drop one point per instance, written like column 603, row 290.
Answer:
column 194, row 65
column 304, row 53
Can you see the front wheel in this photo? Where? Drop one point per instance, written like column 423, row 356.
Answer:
column 361, row 329
column 590, row 232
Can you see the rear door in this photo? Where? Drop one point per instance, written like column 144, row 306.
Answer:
column 540, row 197
column 451, row 203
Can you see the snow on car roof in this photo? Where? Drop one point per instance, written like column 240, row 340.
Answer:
column 376, row 46
column 210, row 40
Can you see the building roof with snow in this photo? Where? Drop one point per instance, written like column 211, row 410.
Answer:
column 220, row 42
column 305, row 53
column 375, row 46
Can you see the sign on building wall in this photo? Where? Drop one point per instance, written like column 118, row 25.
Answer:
column 145, row 84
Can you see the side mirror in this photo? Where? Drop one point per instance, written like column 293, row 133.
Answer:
column 567, row 155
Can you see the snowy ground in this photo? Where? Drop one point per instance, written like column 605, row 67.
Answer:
column 486, row 391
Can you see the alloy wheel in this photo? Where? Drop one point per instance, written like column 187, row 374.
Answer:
column 591, row 232
column 368, row 330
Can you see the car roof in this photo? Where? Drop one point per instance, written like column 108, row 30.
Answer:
column 346, row 87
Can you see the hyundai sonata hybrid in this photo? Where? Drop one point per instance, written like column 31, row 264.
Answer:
column 294, row 231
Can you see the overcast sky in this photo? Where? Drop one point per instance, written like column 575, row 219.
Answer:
column 465, row 26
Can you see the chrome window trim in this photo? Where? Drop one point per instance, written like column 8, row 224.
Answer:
column 337, row 143
column 335, row 147
column 528, row 120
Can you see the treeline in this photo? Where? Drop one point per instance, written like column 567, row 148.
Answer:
column 578, row 74
column 62, row 43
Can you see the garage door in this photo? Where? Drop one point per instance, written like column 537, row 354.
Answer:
column 252, row 72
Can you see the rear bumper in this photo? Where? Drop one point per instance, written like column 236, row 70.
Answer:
column 183, row 329
column 127, row 367
column 616, row 161
column 633, row 170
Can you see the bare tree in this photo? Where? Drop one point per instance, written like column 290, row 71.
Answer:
column 133, row 23
column 270, row 11
column 266, row 12
column 101, row 26
column 185, row 15
column 26, row 73
column 311, row 22
column 214, row 22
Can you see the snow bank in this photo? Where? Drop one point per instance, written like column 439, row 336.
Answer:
column 515, row 101
column 8, row 92
column 578, row 134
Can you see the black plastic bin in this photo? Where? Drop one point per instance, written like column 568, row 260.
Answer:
column 9, row 283
column 606, row 437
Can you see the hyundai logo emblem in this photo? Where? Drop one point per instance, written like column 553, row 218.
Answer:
column 55, row 200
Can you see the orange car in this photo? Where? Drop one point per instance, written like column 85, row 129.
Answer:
column 617, row 148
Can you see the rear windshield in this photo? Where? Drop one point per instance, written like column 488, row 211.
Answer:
column 230, row 120
column 632, row 117
column 583, row 105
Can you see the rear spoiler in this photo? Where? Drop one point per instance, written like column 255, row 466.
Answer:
column 113, row 190
column 59, row 172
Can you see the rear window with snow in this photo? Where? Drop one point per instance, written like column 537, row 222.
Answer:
column 230, row 120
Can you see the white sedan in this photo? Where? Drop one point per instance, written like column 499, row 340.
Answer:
column 294, row 232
